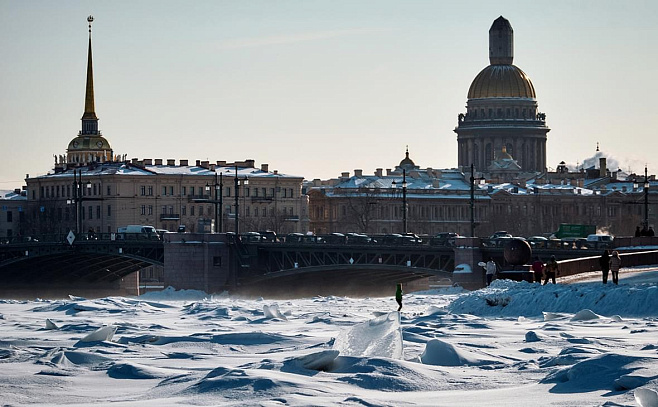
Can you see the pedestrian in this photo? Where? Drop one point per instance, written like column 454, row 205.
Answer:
column 615, row 265
column 638, row 232
column 538, row 269
column 491, row 270
column 551, row 270
column 398, row 296
column 604, row 262
column 644, row 232
column 651, row 232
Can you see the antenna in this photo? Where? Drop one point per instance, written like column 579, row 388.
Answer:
column 90, row 20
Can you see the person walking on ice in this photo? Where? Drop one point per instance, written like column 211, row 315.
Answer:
column 615, row 265
column 491, row 270
column 398, row 296
column 551, row 270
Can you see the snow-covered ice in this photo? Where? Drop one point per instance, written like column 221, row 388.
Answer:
column 576, row 344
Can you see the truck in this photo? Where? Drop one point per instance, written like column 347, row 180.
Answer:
column 137, row 232
column 567, row 230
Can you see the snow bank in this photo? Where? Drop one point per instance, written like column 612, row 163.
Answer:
column 511, row 298
column 441, row 353
column 379, row 337
column 171, row 294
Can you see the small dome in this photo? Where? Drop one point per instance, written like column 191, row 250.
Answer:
column 85, row 143
column 407, row 162
column 504, row 155
column 501, row 81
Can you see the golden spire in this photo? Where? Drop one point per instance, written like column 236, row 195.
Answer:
column 90, row 113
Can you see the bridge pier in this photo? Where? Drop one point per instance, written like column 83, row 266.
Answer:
column 197, row 261
column 469, row 252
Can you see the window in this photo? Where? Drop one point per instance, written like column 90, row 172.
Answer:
column 192, row 191
column 246, row 211
column 142, row 190
column 150, row 193
column 264, row 190
column 143, row 210
column 183, row 210
column 164, row 210
column 109, row 190
column 292, row 192
column 256, row 212
column 246, row 191
column 171, row 209
column 95, row 185
column 10, row 217
column 58, row 191
column 200, row 210
column 150, row 209
column 164, row 190
column 192, row 210
column 109, row 211
column 91, row 212
column 285, row 193
column 68, row 191
column 98, row 212
column 271, row 192
column 183, row 191
column 217, row 261
column 228, row 191
column 255, row 192
column 171, row 190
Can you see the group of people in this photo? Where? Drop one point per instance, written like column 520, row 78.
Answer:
column 547, row 271
column 644, row 231
column 610, row 264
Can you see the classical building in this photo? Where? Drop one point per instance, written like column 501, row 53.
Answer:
column 92, row 189
column 12, row 211
column 502, row 117
column 440, row 201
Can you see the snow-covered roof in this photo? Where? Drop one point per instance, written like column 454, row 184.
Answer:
column 11, row 195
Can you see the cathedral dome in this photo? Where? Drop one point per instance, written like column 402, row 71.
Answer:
column 501, row 81
column 89, row 143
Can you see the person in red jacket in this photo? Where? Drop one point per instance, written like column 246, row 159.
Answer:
column 538, row 269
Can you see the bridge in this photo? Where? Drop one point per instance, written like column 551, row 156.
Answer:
column 87, row 264
column 218, row 262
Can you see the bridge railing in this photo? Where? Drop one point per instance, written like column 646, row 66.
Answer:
column 80, row 237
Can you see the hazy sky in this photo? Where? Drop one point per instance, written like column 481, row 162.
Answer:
column 315, row 88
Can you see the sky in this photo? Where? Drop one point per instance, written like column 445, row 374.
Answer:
column 316, row 88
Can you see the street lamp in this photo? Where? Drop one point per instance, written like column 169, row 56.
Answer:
column 77, row 198
column 219, row 195
column 472, row 201
column 245, row 181
column 404, row 200
column 646, row 199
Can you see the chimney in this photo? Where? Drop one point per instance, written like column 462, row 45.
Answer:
column 148, row 161
column 275, row 172
column 344, row 174
column 183, row 163
column 378, row 172
column 249, row 163
column 602, row 168
column 212, row 167
column 388, row 171
column 158, row 161
column 435, row 183
column 171, row 162
column 205, row 164
column 134, row 161
column 221, row 163
column 358, row 173
column 265, row 167
column 198, row 163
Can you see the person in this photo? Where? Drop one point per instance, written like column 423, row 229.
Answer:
column 604, row 262
column 491, row 270
column 538, row 269
column 638, row 232
column 615, row 264
column 644, row 232
column 551, row 270
column 398, row 296
column 651, row 232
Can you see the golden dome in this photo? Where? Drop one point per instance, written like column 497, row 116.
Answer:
column 86, row 143
column 501, row 81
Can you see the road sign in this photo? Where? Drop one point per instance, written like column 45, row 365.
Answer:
column 70, row 237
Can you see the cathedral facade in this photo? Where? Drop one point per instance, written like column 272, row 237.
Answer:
column 502, row 118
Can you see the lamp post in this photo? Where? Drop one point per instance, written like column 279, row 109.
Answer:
column 77, row 198
column 646, row 199
column 472, row 200
column 237, row 199
column 404, row 201
column 219, row 192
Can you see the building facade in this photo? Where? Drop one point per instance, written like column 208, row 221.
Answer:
column 440, row 201
column 12, row 213
column 502, row 116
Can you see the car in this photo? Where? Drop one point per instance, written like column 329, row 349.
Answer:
column 444, row 239
column 268, row 236
column 335, row 238
column 500, row 233
column 538, row 242
column 358, row 238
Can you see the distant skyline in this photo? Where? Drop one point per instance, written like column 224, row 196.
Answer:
column 316, row 88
